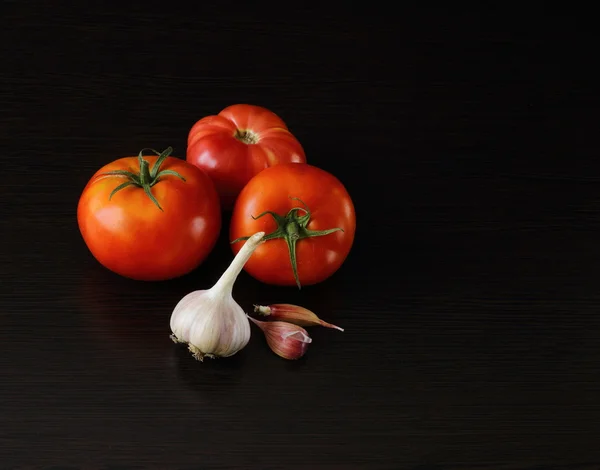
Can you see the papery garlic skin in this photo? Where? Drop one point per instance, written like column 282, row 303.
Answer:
column 285, row 339
column 293, row 314
column 211, row 322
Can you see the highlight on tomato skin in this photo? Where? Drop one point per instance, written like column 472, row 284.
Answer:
column 238, row 143
column 150, row 218
column 309, row 220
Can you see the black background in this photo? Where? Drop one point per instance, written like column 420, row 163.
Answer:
column 470, row 298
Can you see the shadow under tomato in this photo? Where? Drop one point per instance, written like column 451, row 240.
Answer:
column 132, row 316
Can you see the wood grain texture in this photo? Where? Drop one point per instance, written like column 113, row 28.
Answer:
column 470, row 300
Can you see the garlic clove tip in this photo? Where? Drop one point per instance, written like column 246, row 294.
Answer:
column 329, row 325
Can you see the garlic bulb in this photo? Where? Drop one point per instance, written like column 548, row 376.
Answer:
column 211, row 322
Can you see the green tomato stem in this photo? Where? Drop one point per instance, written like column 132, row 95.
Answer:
column 145, row 178
column 292, row 228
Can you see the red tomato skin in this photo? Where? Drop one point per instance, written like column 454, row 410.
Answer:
column 331, row 206
column 231, row 163
column 130, row 236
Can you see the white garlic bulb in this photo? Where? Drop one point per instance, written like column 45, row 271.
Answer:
column 211, row 322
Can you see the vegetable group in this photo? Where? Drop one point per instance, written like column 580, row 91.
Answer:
column 150, row 218
column 156, row 217
column 237, row 144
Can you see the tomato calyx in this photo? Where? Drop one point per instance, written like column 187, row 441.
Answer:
column 246, row 136
column 292, row 227
column 146, row 177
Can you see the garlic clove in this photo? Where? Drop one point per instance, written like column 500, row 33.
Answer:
column 211, row 322
column 293, row 314
column 287, row 340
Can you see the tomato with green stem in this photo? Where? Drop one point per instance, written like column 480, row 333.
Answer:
column 310, row 222
column 150, row 217
column 238, row 143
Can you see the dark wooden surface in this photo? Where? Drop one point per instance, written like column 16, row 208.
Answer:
column 470, row 299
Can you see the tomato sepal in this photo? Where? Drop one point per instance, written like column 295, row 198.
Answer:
column 146, row 178
column 292, row 228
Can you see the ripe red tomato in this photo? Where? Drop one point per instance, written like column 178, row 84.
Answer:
column 309, row 219
column 237, row 144
column 150, row 218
